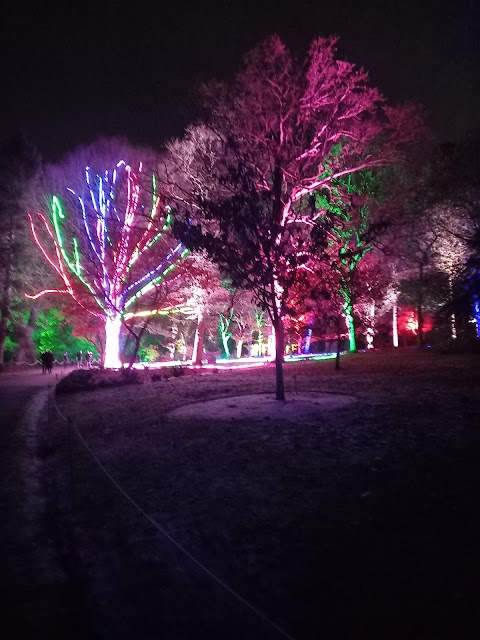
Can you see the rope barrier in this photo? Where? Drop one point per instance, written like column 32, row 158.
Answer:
column 172, row 540
column 37, row 362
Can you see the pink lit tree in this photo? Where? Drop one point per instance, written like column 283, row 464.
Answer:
column 287, row 129
column 110, row 244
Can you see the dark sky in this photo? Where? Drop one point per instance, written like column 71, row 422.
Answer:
column 73, row 70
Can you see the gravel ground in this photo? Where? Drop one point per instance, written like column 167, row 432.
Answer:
column 355, row 522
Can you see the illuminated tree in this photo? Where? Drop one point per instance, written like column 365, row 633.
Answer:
column 229, row 315
column 247, row 317
column 19, row 170
column 288, row 129
column 224, row 322
column 316, row 300
column 441, row 226
column 111, row 247
column 204, row 295
column 353, row 216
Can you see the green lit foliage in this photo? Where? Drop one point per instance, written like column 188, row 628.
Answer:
column 225, row 316
column 224, row 322
column 53, row 331
column 350, row 220
column 19, row 171
column 149, row 353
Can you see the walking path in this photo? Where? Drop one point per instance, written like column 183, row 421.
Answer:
column 37, row 598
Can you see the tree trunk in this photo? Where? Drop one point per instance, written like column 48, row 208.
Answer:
column 420, row 339
column 137, row 341
column 279, row 346
column 128, row 339
column 6, row 296
column 4, row 317
column 337, row 355
column 277, row 290
column 199, row 336
column 136, row 347
column 239, row 348
column 453, row 319
column 225, row 339
column 260, row 342
column 173, row 344
column 351, row 329
column 395, row 324
column 308, row 339
column 476, row 313
column 112, row 342
column 26, row 350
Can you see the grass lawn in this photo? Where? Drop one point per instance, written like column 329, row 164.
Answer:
column 362, row 522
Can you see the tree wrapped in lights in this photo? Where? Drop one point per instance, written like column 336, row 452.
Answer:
column 110, row 245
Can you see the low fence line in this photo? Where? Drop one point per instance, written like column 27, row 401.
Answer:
column 161, row 530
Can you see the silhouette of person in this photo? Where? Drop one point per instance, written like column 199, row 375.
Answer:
column 48, row 360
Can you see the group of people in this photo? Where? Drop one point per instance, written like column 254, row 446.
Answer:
column 47, row 360
column 88, row 359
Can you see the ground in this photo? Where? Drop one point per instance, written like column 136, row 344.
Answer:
column 356, row 521
column 37, row 598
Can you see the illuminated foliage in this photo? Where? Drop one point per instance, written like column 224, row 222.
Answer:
column 347, row 219
column 19, row 170
column 55, row 332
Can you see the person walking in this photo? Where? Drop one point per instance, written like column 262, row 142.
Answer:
column 49, row 360
column 88, row 359
column 79, row 360
column 43, row 359
column 66, row 360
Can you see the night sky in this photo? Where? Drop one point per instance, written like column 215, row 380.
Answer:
column 73, row 71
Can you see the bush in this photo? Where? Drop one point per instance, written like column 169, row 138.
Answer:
column 87, row 380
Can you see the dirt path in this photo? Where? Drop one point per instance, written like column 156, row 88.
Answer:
column 37, row 598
